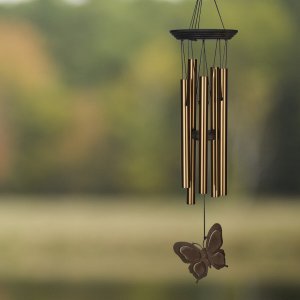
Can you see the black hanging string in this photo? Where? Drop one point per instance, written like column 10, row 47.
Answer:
column 199, row 67
column 226, row 56
column 200, row 10
column 195, row 22
column 194, row 14
column 219, row 14
column 183, row 61
column 223, row 57
column 204, row 221
column 192, row 49
column 216, row 48
column 205, row 59
column 198, row 15
column 200, row 61
column 220, row 53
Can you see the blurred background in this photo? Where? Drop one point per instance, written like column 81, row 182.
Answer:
column 91, row 202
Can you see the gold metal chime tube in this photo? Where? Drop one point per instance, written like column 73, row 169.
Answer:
column 203, row 102
column 215, row 128
column 184, row 135
column 219, row 128
column 192, row 91
column 223, row 131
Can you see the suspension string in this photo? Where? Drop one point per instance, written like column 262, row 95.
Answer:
column 194, row 14
column 195, row 20
column 200, row 62
column 192, row 49
column 205, row 59
column 226, row 57
column 200, row 10
column 215, row 53
column 223, row 57
column 220, row 53
column 184, row 58
column 204, row 221
column 219, row 14
column 197, row 13
column 199, row 67
column 182, row 62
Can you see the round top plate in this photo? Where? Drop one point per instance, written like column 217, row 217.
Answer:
column 203, row 34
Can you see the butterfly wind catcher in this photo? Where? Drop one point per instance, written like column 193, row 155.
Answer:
column 204, row 119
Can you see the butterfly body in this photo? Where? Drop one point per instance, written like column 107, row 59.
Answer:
column 200, row 259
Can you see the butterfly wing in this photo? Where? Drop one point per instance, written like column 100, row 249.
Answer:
column 191, row 254
column 214, row 242
column 199, row 269
column 218, row 259
column 214, row 239
column 187, row 252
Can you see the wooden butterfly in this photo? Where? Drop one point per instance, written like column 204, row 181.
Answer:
column 201, row 258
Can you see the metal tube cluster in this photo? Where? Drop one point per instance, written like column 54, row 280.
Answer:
column 204, row 100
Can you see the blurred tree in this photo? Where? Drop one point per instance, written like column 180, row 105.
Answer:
column 89, row 96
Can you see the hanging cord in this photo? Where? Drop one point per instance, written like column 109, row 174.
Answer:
column 204, row 221
column 199, row 66
column 195, row 21
column 216, row 48
column 223, row 57
column 205, row 59
column 219, row 14
column 200, row 60
column 194, row 14
column 226, row 56
column 220, row 53
column 200, row 10
column 192, row 49
column 183, row 61
column 196, row 17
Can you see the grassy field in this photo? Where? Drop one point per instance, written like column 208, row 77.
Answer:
column 128, row 241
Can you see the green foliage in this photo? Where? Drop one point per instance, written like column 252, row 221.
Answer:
column 96, row 107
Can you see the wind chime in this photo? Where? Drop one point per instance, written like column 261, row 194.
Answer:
column 204, row 119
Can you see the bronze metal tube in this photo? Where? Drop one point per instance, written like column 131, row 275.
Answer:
column 221, row 143
column 192, row 91
column 184, row 135
column 215, row 127
column 223, row 131
column 203, row 101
